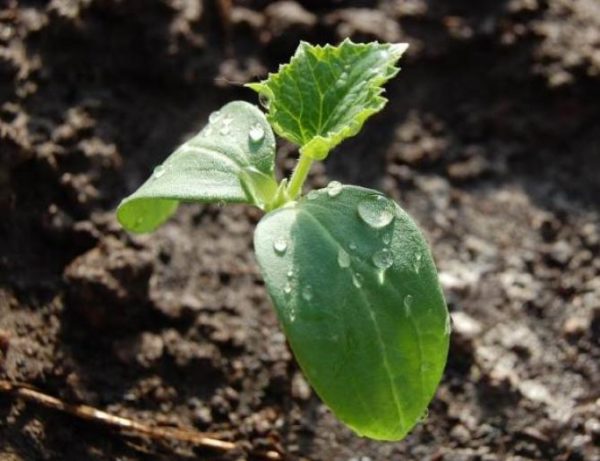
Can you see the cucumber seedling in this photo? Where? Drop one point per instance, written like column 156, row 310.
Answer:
column 349, row 272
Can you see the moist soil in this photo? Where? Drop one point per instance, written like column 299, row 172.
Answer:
column 491, row 140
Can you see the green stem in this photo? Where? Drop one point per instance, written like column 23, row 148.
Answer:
column 299, row 176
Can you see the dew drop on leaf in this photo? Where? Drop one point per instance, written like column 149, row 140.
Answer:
column 307, row 293
column 313, row 194
column 408, row 299
column 264, row 100
column 256, row 133
column 280, row 245
column 334, row 188
column 387, row 238
column 384, row 55
column 352, row 246
column 158, row 171
column 290, row 274
column 417, row 262
column 357, row 280
column 343, row 259
column 377, row 211
column 287, row 289
column 383, row 259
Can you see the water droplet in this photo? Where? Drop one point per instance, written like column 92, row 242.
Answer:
column 139, row 221
column 280, row 245
column 448, row 325
column 342, row 79
column 376, row 210
column 343, row 259
column 158, row 171
column 384, row 55
column 307, row 293
column 256, row 133
column 334, row 188
column 386, row 238
column 357, row 280
column 352, row 246
column 383, row 259
column 290, row 274
column 287, row 289
column 408, row 299
column 313, row 194
column 212, row 118
column 264, row 100
column 417, row 262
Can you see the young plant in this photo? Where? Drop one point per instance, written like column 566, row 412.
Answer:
column 350, row 274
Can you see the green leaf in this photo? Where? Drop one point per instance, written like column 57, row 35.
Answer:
column 325, row 94
column 357, row 293
column 231, row 160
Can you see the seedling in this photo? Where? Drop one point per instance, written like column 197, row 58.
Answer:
column 349, row 272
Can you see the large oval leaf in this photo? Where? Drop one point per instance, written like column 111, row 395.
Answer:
column 230, row 160
column 356, row 291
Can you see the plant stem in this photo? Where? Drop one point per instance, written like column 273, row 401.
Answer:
column 299, row 176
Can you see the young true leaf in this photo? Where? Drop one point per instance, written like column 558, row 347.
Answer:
column 357, row 293
column 325, row 94
column 230, row 160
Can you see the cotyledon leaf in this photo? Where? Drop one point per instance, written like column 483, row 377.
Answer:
column 357, row 293
column 230, row 160
column 325, row 94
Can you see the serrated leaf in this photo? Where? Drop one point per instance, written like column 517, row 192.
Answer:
column 325, row 94
column 231, row 160
column 356, row 291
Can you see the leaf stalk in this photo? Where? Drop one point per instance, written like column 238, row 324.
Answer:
column 299, row 176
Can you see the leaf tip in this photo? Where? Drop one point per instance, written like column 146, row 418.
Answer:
column 398, row 49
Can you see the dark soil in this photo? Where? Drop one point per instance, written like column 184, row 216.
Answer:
column 491, row 140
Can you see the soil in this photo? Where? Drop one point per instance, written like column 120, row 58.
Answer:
column 491, row 140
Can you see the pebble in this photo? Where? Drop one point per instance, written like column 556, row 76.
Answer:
column 466, row 326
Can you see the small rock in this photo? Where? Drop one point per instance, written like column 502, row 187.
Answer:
column 465, row 325
column 285, row 18
column 364, row 24
column 469, row 169
column 150, row 349
column 300, row 388
column 535, row 391
column 560, row 253
column 576, row 326
column 461, row 434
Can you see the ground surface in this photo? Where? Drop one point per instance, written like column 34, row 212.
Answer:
column 491, row 141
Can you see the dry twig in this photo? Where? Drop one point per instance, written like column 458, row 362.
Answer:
column 124, row 424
